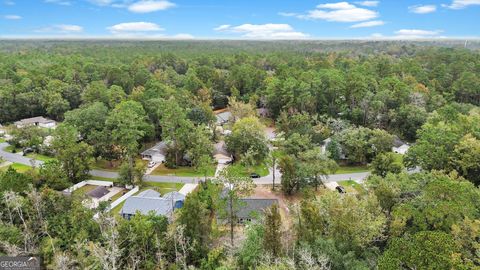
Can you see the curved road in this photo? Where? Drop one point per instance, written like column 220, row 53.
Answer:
column 17, row 158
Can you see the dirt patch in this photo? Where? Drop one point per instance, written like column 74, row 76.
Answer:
column 286, row 203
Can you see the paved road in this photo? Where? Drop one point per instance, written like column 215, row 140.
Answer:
column 17, row 158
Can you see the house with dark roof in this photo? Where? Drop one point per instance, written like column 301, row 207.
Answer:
column 151, row 201
column 251, row 209
column 39, row 121
column 223, row 117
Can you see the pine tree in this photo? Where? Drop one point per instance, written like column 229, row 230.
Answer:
column 272, row 241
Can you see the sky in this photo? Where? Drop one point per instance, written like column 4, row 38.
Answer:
column 240, row 19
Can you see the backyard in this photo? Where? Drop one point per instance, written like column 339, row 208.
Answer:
column 21, row 168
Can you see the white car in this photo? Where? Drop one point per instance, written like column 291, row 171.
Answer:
column 151, row 164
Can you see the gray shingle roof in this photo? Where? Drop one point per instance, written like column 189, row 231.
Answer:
column 144, row 205
column 175, row 196
column 223, row 117
column 250, row 207
column 33, row 120
column 159, row 148
column 149, row 193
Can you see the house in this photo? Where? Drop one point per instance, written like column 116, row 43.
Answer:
column 223, row 117
column 151, row 201
column 220, row 153
column 157, row 153
column 36, row 121
column 252, row 208
column 399, row 146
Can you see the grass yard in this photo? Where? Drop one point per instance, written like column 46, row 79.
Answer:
column 105, row 165
column 261, row 170
column 2, row 140
column 352, row 169
column 113, row 166
column 162, row 187
column 21, row 168
column 84, row 190
column 40, row 157
column 352, row 186
column 91, row 177
column 11, row 149
column 182, row 171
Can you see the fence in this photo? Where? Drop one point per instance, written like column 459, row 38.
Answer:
column 88, row 182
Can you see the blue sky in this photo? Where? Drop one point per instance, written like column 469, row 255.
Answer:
column 241, row 19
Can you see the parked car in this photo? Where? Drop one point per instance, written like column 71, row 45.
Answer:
column 254, row 175
column 27, row 150
column 151, row 164
column 341, row 189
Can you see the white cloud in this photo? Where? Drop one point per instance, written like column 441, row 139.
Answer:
column 222, row 27
column 263, row 31
column 340, row 12
column 9, row 3
column 134, row 27
column 417, row 34
column 368, row 3
column 183, row 36
column 12, row 17
column 368, row 24
column 460, row 4
column 61, row 28
column 150, row 6
column 423, row 9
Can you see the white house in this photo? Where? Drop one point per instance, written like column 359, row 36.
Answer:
column 400, row 147
column 39, row 121
column 157, row 153
column 221, row 154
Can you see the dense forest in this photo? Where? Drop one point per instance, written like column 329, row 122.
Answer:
column 115, row 98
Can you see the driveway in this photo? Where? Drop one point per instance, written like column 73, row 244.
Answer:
column 16, row 158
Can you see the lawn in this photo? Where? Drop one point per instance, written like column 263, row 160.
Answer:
column 261, row 170
column 11, row 149
column 84, row 190
column 113, row 166
column 21, row 168
column 91, row 177
column 105, row 165
column 352, row 169
column 352, row 186
column 2, row 140
column 182, row 171
column 40, row 157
